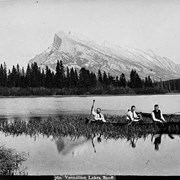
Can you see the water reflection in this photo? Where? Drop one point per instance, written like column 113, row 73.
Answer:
column 73, row 139
column 157, row 141
column 68, row 145
column 71, row 131
column 133, row 141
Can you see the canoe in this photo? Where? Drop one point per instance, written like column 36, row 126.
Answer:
column 175, row 115
column 126, row 123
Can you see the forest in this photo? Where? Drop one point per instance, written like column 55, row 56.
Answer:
column 68, row 81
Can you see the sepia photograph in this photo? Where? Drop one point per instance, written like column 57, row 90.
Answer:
column 89, row 89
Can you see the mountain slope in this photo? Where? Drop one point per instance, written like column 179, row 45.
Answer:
column 77, row 53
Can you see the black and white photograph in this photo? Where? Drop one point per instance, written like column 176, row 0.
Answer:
column 89, row 89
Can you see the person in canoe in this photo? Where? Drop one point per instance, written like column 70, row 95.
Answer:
column 97, row 115
column 132, row 115
column 157, row 115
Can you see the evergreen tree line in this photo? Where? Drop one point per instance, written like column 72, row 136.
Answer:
column 69, row 78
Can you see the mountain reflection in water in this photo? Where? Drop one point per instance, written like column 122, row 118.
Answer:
column 68, row 140
column 71, row 131
column 67, row 145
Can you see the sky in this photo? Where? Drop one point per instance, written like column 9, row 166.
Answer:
column 27, row 27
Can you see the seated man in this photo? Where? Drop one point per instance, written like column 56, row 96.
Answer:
column 132, row 115
column 97, row 114
column 157, row 114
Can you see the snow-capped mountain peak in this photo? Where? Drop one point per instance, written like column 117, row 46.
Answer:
column 77, row 51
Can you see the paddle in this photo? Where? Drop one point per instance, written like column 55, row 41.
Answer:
column 90, row 116
column 92, row 105
column 129, row 123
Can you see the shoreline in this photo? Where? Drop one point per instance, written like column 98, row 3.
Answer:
column 89, row 95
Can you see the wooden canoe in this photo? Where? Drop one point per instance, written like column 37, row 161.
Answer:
column 139, row 123
column 175, row 115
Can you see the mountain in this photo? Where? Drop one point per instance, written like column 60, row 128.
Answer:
column 79, row 52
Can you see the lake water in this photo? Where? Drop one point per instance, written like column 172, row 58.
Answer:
column 44, row 106
column 55, row 155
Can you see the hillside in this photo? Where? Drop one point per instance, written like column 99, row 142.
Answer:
column 78, row 52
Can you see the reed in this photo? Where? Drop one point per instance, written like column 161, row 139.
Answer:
column 75, row 126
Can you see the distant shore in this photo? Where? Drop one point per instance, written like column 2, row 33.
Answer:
column 45, row 92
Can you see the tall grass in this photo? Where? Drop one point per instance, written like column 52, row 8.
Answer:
column 75, row 126
column 11, row 161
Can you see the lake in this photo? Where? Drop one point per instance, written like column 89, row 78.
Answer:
column 44, row 106
column 56, row 152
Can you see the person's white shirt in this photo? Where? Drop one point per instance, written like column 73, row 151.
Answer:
column 98, row 116
column 132, row 116
column 154, row 118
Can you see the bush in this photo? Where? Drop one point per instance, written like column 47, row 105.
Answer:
column 10, row 161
